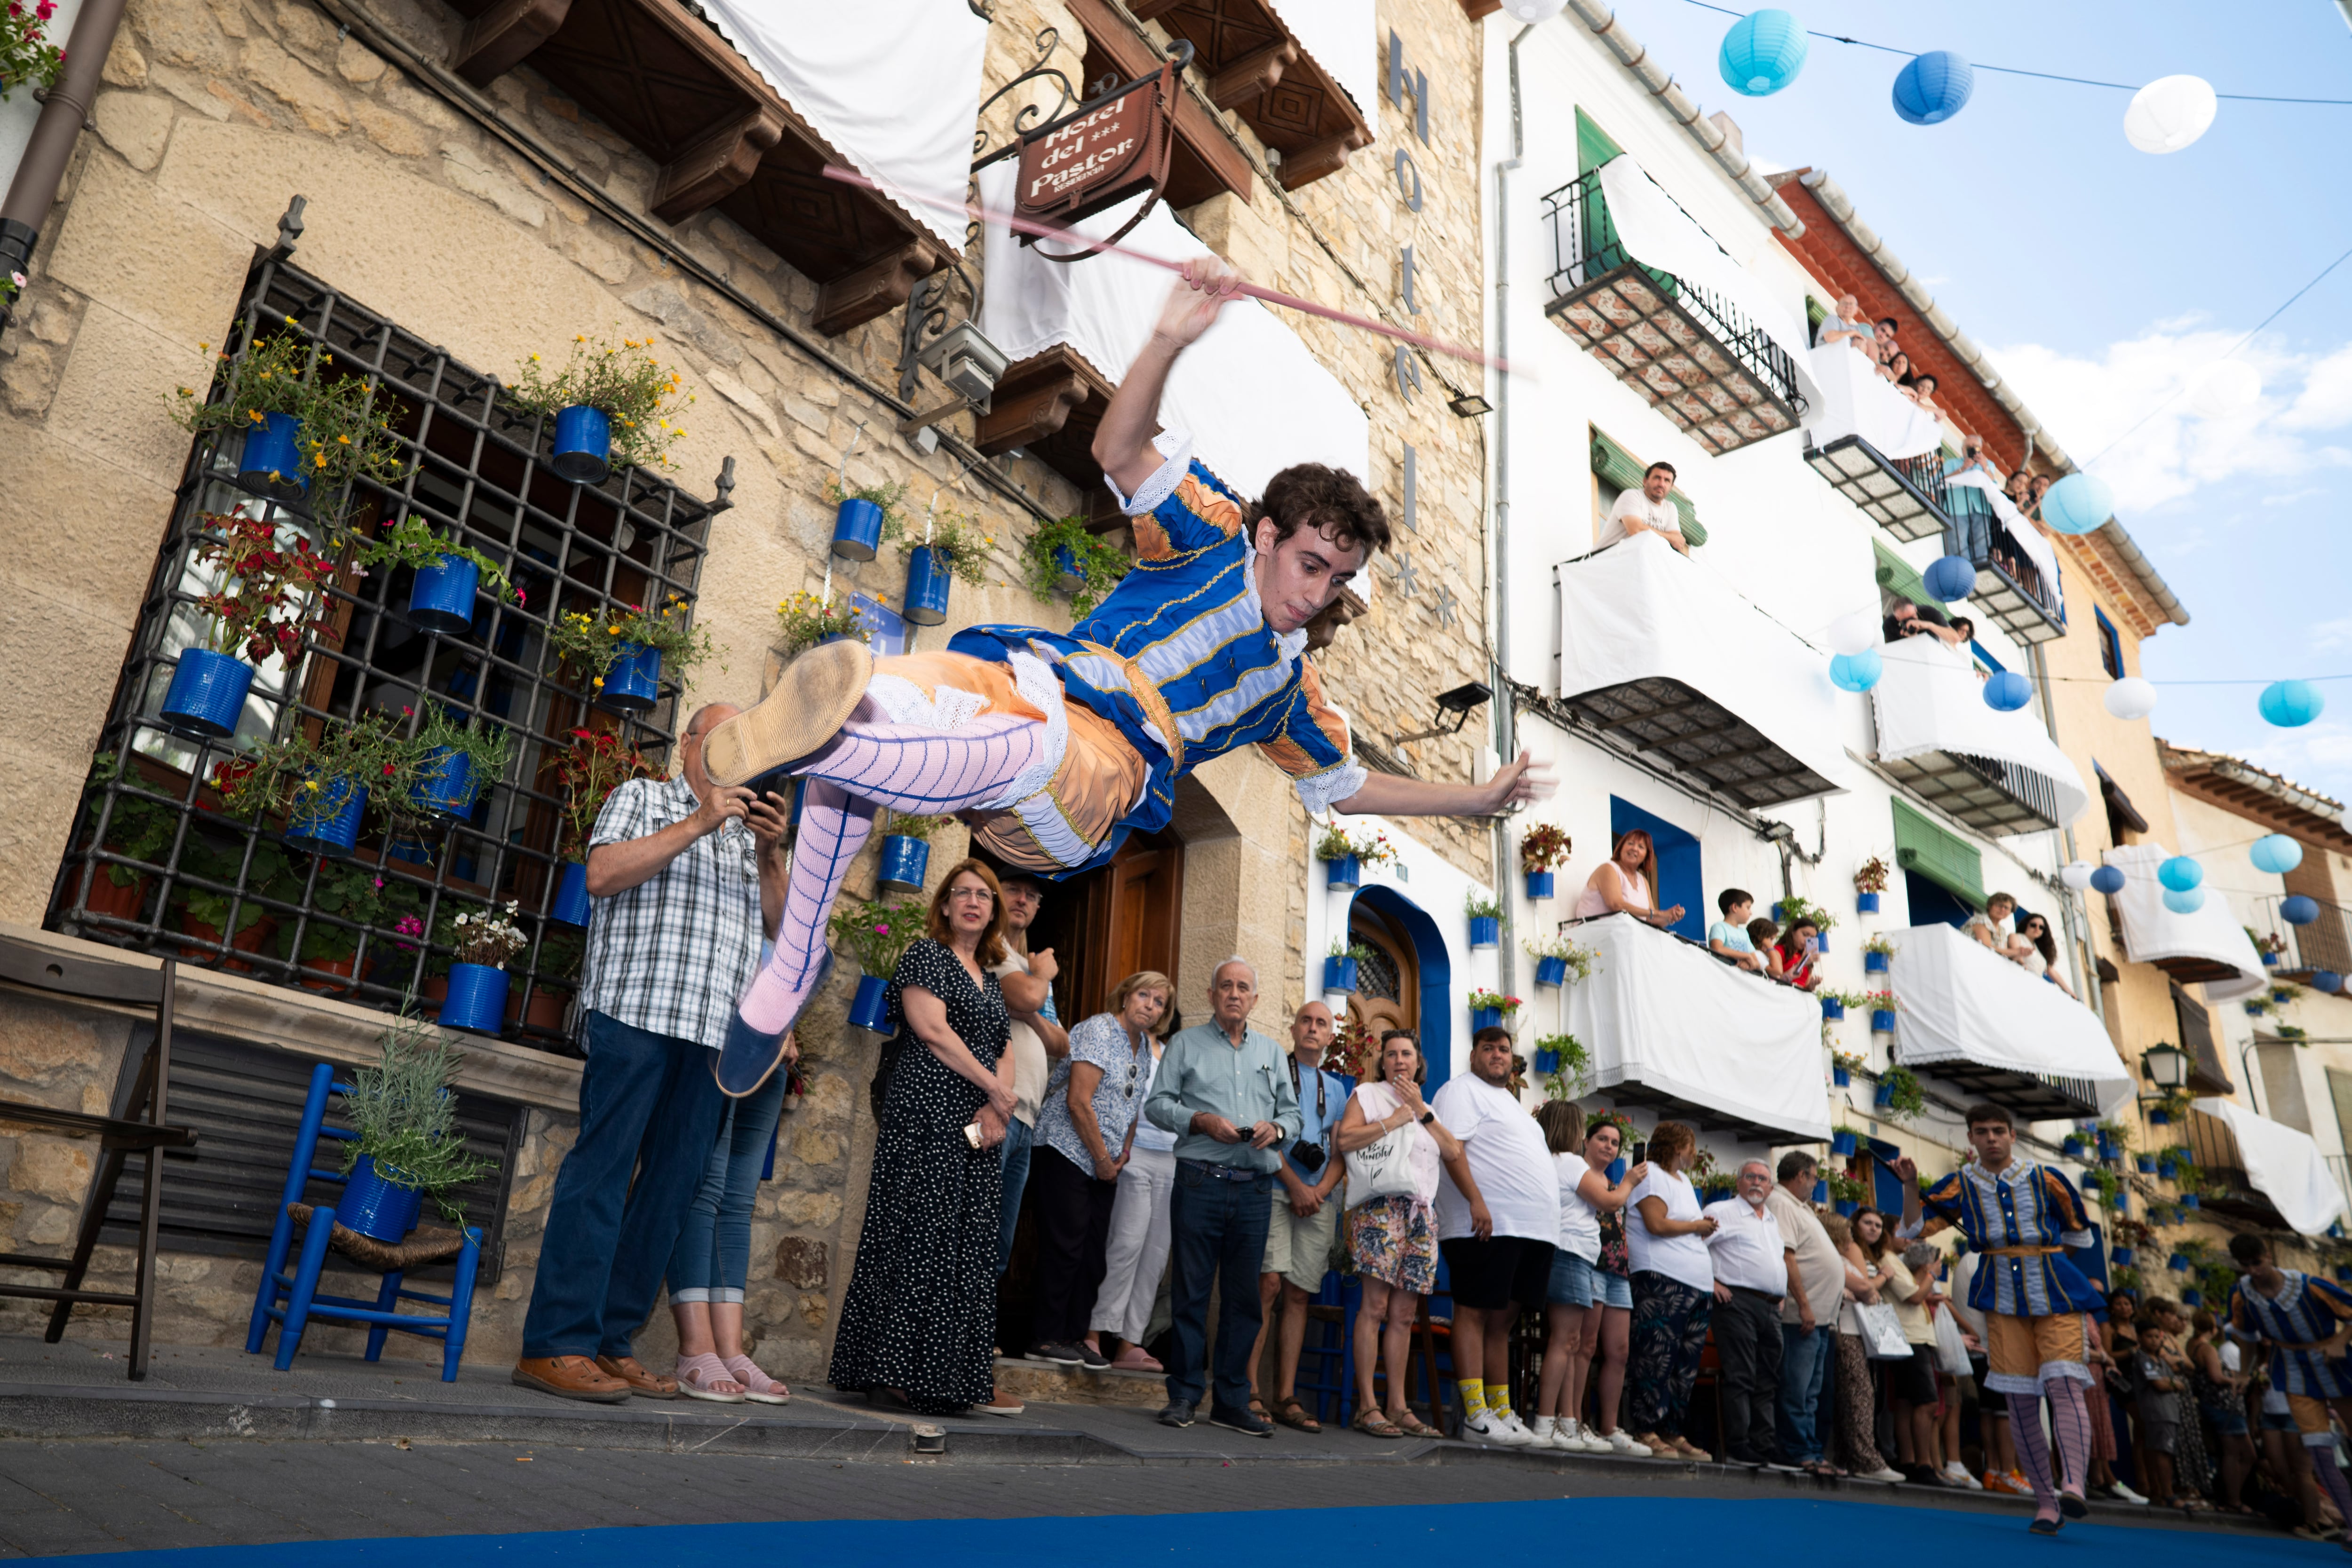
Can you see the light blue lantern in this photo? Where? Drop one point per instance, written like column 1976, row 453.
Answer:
column 2078, row 503
column 1762, row 53
column 2179, row 874
column 2276, row 853
column 2300, row 910
column 2108, row 880
column 2291, row 704
column 2328, row 981
column 1856, row 672
column 1934, row 88
column 2007, row 691
column 2184, row 901
column 1951, row 577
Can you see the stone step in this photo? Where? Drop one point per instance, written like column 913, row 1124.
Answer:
column 1048, row 1383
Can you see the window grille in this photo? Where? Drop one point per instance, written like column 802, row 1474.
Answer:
column 154, row 834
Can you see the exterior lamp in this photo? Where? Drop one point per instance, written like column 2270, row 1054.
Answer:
column 2166, row 1066
column 1461, row 702
column 1469, row 404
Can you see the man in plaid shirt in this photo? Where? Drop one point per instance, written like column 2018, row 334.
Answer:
column 685, row 876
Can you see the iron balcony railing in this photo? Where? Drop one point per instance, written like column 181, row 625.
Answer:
column 2321, row 944
column 2028, row 603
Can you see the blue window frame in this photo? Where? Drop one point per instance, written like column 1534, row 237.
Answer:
column 2111, row 646
column 1680, row 879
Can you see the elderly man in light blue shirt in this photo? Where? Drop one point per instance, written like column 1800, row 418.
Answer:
column 1224, row 1090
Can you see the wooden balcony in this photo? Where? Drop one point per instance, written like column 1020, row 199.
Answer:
column 1251, row 66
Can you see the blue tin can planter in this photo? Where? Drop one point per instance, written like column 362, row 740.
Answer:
column 442, row 598
column 1882, row 1020
column 2159, row 1118
column 2121, row 1257
column 476, row 999
column 1865, row 903
column 1069, row 573
column 1339, row 974
column 1833, row 1009
column 1842, row 1143
column 1551, row 971
column 2344, row 1271
column 583, row 444
column 2177, row 1263
column 1485, row 1017
column 271, row 461
column 1841, row 1077
column 856, row 529
column 2190, row 1200
column 633, row 683
column 2146, row 1163
column 2270, row 960
column 1485, row 931
column 1821, row 1191
column 445, row 786
column 870, row 1010
column 1540, row 884
column 1873, row 963
column 2280, row 997
column 1885, row 1095
column 903, row 861
column 2072, row 1148
column 570, row 896
column 1546, row 1062
column 1344, row 874
column 1617, row 1168
column 2190, row 1296
column 376, row 1207
column 1848, row 1207
column 928, row 581
column 206, row 696
column 326, row 820
column 2254, row 1009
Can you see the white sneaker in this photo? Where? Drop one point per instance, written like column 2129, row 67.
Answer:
column 1617, row 1442
column 1887, row 1473
column 1527, row 1438
column 2129, row 1495
column 1488, row 1428
column 1576, row 1439
column 1546, row 1432
column 1958, row 1474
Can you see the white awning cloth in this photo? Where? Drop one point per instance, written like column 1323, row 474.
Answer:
column 1857, row 401
column 2283, row 1165
column 1928, row 699
column 1656, row 231
column 2028, row 537
column 1252, row 395
column 2153, row 931
column 1344, row 40
column 1640, row 610
column 1962, row 1002
column 1668, row 1016
column 901, row 111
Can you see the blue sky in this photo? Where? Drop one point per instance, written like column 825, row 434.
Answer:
column 2102, row 280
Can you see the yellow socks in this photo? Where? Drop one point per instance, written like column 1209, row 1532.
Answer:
column 1474, row 1397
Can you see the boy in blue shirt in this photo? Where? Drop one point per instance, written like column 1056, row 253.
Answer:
column 1728, row 937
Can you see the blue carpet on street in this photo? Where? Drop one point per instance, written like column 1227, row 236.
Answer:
column 1768, row 1534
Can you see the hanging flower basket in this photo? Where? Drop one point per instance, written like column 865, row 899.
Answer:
column 1882, row 1020
column 2190, row 1200
column 376, row 1207
column 571, row 906
column 1540, row 884
column 1865, row 903
column 2072, row 1146
column 583, row 444
column 870, row 1010
column 927, row 582
column 325, row 820
column 1485, row 1018
column 1884, row 1096
column 445, row 783
column 633, row 684
column 1069, row 571
column 1841, row 1077
column 271, row 462
column 208, row 694
column 905, row 859
column 1874, row 963
column 1842, row 1144
column 1848, row 1207
column 857, row 529
column 442, row 597
column 1550, row 971
column 1340, row 974
column 2146, row 1163
column 1485, row 931
column 1833, row 1010
column 1343, row 874
column 2122, row 1257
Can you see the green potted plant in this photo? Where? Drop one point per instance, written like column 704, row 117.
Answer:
column 448, row 575
column 1869, row 882
column 1791, row 909
column 482, row 943
column 807, row 619
column 1488, row 1009
column 623, row 654
column 1560, row 962
column 1843, row 1065
column 875, row 934
column 1565, row 1063
column 136, row 828
column 448, row 762
column 610, row 402
column 322, row 783
column 406, row 1145
column 268, row 596
column 306, row 433
column 1344, row 857
column 1065, row 556
column 1846, row 1192
column 1878, row 954
column 1542, row 849
column 953, row 546
column 863, row 514
column 356, row 894
column 1340, row 968
column 586, row 772
column 205, row 914
column 1899, row 1096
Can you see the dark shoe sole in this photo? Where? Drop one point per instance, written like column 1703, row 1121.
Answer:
column 1263, row 1431
column 1168, row 1420
column 812, row 700
column 2073, row 1507
column 525, row 1380
column 749, row 1058
column 1040, row 1354
column 2046, row 1526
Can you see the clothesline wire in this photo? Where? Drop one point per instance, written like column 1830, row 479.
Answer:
column 2020, row 72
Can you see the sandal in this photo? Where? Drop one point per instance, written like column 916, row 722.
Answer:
column 758, row 1386
column 705, row 1376
column 1292, row 1414
column 1372, row 1424
column 1412, row 1426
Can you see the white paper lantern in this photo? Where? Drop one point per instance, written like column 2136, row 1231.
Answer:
column 2130, row 698
column 2076, row 876
column 2170, row 113
column 1850, row 634
column 2231, row 386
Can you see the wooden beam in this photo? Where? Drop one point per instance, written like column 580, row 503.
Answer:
column 1033, row 400
column 1242, row 81
column 1313, row 161
column 876, row 288
column 496, row 41
column 1215, row 163
column 1152, row 10
column 717, row 166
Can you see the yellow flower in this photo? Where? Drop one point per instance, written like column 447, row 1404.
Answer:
column 600, row 680
column 322, row 460
column 344, row 439
column 534, row 359
column 185, row 393
column 612, row 631
column 580, row 336
column 311, row 785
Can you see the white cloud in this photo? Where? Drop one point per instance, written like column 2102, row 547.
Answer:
column 2318, row 756
column 2329, row 635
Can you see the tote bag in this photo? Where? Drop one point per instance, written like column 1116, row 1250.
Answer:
column 1882, row 1331
column 1382, row 1168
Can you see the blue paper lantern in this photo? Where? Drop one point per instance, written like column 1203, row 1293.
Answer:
column 2180, row 873
column 2328, row 981
column 2276, row 853
column 2109, row 879
column 1856, row 672
column 2077, row 504
column 2291, row 704
column 1762, row 53
column 1934, row 88
column 2184, row 901
column 2299, row 910
column 2007, row 691
column 1951, row 577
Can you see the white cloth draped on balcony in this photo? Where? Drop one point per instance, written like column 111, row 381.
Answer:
column 1641, row 610
column 2153, row 931
column 1252, row 395
column 2283, row 1165
column 1668, row 1016
column 1962, row 1002
column 1346, row 40
column 2029, row 539
column 1656, row 231
column 1928, row 699
column 1857, row 401
column 901, row 113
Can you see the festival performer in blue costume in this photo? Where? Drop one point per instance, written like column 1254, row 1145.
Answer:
column 1055, row 746
column 2020, row 1217
column 2305, row 1322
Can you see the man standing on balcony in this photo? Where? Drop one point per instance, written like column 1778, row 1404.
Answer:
column 1055, row 746
column 2020, row 1217
column 1646, row 511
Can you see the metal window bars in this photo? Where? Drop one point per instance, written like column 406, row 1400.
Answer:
column 152, row 833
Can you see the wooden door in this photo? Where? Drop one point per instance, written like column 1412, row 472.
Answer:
column 1387, row 994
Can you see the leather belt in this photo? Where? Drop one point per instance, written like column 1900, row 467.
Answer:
column 1216, row 1172
column 2023, row 1251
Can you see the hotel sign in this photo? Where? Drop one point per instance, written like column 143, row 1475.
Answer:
column 1115, row 148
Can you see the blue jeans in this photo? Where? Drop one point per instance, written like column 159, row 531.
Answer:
column 712, row 1260
column 1014, row 1162
column 1216, row 1233
column 1807, row 1362
column 646, row 1100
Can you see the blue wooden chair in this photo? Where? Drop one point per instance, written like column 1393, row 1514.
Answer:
column 292, row 1302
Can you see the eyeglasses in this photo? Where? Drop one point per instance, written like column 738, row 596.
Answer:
column 968, row 893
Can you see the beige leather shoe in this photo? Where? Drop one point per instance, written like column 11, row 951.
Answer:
column 812, row 700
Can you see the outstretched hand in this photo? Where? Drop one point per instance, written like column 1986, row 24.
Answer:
column 1524, row 782
column 1195, row 300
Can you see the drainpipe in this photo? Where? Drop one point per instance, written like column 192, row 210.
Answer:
column 1505, row 720
column 65, row 109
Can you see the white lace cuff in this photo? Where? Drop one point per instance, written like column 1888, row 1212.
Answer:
column 1318, row 792
column 1176, row 446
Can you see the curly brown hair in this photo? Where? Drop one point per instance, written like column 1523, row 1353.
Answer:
column 1331, row 501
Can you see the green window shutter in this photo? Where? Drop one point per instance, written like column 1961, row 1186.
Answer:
column 1620, row 468
column 1900, row 577
column 1945, row 859
column 1815, row 313
column 1594, row 146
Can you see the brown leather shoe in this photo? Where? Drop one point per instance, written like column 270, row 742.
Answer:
column 570, row 1377
column 632, row 1372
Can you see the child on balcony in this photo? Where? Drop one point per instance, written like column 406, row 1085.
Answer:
column 1728, row 937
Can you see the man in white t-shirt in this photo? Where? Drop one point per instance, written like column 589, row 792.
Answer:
column 1498, row 1223
column 1807, row 1317
column 1646, row 510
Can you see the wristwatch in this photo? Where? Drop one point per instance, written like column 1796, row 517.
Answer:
column 1427, row 1117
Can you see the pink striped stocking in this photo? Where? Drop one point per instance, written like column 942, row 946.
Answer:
column 2071, row 1423
column 2032, row 1451
column 2330, row 1476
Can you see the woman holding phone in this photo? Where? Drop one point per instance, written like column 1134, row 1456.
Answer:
column 1587, row 1307
column 1394, row 1239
